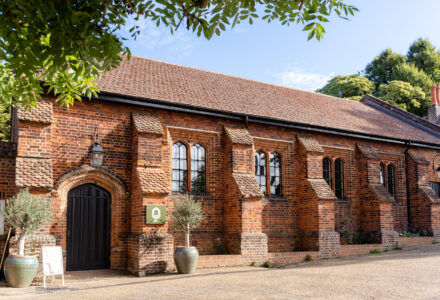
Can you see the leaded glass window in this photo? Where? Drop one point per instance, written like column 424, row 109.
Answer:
column 275, row 174
column 382, row 174
column 339, row 178
column 391, row 180
column 260, row 170
column 327, row 171
column 198, row 169
column 180, row 168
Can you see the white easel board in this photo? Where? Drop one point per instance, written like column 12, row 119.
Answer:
column 52, row 260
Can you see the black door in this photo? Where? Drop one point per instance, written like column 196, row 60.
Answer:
column 88, row 228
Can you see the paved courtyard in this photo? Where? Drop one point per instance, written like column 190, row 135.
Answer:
column 412, row 273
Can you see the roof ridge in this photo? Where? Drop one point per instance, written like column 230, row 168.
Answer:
column 407, row 116
column 246, row 79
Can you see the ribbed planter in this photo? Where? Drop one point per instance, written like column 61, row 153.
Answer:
column 186, row 259
column 20, row 270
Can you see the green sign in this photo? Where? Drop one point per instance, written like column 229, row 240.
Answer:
column 156, row 214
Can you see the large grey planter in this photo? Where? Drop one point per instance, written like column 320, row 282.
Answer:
column 20, row 270
column 186, row 259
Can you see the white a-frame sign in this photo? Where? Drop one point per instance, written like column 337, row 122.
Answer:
column 52, row 258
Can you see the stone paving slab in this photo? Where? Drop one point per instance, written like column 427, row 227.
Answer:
column 412, row 273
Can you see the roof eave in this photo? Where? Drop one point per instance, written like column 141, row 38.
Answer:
column 186, row 108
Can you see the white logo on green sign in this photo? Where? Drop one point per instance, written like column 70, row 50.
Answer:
column 155, row 214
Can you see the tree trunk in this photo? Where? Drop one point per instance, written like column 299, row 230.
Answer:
column 21, row 241
column 187, row 236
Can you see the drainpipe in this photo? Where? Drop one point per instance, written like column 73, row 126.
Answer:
column 408, row 144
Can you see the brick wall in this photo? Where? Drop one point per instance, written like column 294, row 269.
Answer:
column 307, row 216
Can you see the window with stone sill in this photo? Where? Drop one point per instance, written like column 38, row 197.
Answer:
column 334, row 175
column 382, row 174
column 391, row 180
column 339, row 178
column 327, row 170
column 274, row 180
column 260, row 170
column 184, row 164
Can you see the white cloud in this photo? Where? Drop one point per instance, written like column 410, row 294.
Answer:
column 158, row 38
column 299, row 79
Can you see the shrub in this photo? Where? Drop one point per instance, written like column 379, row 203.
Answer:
column 308, row 257
column 375, row 251
column 254, row 264
column 187, row 215
column 27, row 212
column 268, row 264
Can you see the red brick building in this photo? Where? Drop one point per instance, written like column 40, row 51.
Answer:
column 280, row 173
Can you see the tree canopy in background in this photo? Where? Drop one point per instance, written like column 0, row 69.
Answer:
column 401, row 80
column 68, row 44
column 350, row 87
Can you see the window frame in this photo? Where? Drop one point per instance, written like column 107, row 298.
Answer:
column 258, row 177
column 278, row 189
column 391, row 180
column 382, row 174
column 329, row 171
column 185, row 178
column 198, row 146
column 339, row 180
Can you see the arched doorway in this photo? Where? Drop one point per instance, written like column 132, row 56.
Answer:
column 88, row 228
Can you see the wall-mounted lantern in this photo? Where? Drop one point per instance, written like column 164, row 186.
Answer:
column 97, row 153
column 436, row 170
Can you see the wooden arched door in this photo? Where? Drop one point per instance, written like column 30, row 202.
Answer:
column 88, row 228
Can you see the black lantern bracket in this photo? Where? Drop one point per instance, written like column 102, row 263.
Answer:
column 97, row 153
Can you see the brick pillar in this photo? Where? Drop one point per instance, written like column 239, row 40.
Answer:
column 150, row 247
column 377, row 221
column 243, row 208
column 316, row 210
column 424, row 203
column 33, row 166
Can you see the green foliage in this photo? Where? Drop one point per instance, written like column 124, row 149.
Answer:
column 5, row 122
column 188, row 214
column 375, row 251
column 380, row 70
column 352, row 87
column 399, row 80
column 268, row 264
column 27, row 212
column 424, row 55
column 308, row 257
column 403, row 95
column 254, row 264
column 68, row 44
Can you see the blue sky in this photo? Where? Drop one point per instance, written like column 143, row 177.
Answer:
column 282, row 55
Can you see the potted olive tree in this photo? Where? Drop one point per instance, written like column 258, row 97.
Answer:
column 187, row 215
column 28, row 213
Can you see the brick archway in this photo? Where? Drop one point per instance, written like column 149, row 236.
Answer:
column 119, row 206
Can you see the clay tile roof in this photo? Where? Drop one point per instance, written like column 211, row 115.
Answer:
column 322, row 189
column 239, row 136
column 33, row 172
column 418, row 158
column 43, row 113
column 146, row 123
column 247, row 185
column 368, row 151
column 148, row 80
column 153, row 181
column 310, row 143
column 429, row 193
column 381, row 193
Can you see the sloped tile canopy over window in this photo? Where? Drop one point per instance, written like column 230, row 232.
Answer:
column 42, row 113
column 146, row 123
column 33, row 172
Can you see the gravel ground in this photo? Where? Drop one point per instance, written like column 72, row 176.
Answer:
column 412, row 273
